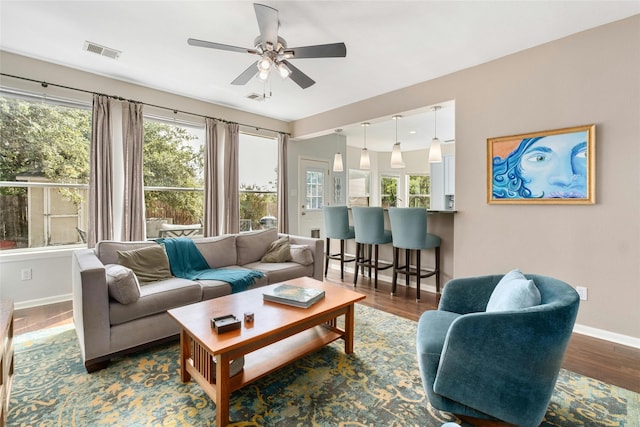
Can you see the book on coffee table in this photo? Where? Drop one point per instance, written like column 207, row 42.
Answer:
column 297, row 296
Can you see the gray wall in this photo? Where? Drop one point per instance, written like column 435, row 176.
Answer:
column 590, row 77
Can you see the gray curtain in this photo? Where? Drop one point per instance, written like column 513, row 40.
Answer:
column 283, row 191
column 133, row 216
column 231, row 179
column 211, row 201
column 100, row 173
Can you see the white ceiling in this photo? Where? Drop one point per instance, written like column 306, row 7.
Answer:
column 390, row 44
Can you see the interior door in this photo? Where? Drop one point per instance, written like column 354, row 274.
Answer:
column 313, row 188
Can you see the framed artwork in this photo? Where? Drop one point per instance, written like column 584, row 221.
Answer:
column 552, row 167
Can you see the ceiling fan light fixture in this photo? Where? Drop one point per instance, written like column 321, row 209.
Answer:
column 264, row 74
column 284, row 70
column 264, row 64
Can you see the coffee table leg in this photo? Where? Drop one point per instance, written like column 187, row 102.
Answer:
column 349, row 326
column 222, row 390
column 185, row 354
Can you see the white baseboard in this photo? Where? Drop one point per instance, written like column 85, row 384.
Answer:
column 607, row 335
column 42, row 301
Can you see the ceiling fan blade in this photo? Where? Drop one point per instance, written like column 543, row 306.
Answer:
column 246, row 75
column 333, row 50
column 268, row 23
column 219, row 46
column 299, row 77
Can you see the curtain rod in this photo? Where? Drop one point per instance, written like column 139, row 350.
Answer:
column 119, row 98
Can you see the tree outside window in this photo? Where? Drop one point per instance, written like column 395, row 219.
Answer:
column 419, row 191
column 389, row 191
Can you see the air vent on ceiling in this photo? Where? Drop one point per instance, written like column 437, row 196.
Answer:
column 256, row 97
column 101, row 50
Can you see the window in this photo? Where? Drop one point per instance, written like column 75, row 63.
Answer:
column 44, row 170
column 389, row 191
column 359, row 181
column 419, row 191
column 314, row 198
column 173, row 168
column 258, row 175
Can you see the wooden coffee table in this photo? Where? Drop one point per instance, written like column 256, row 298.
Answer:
column 279, row 335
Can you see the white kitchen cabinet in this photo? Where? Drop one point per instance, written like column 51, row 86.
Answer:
column 443, row 184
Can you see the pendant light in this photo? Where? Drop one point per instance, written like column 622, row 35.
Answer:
column 337, row 159
column 396, row 153
column 364, row 155
column 435, row 151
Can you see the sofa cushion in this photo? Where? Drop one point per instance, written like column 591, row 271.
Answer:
column 155, row 298
column 281, row 271
column 219, row 251
column 278, row 251
column 253, row 245
column 123, row 284
column 513, row 292
column 301, row 254
column 149, row 264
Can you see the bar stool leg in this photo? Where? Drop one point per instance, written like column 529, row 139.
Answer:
column 438, row 270
column 341, row 259
column 418, row 252
column 407, row 255
column 355, row 273
column 326, row 257
column 375, row 280
column 394, row 280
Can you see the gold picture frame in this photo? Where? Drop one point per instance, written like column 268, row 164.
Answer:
column 547, row 167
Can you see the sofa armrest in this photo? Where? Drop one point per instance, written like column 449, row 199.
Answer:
column 317, row 248
column 90, row 304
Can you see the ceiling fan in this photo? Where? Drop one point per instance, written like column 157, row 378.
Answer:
column 273, row 52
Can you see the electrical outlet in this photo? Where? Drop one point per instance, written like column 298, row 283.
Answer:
column 25, row 274
column 582, row 291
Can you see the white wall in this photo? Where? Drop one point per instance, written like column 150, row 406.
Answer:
column 590, row 77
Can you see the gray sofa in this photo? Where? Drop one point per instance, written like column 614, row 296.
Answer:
column 107, row 328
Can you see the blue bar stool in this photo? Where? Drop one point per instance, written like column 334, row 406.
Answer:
column 336, row 223
column 409, row 228
column 368, row 223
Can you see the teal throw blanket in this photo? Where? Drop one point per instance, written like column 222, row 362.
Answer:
column 187, row 262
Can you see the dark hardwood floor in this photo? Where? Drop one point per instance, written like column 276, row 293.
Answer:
column 606, row 361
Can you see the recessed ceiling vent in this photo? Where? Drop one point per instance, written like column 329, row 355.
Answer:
column 101, row 50
column 256, row 97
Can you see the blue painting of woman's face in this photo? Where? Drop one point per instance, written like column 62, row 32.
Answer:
column 552, row 166
column 556, row 166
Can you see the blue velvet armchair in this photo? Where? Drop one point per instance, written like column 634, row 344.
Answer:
column 499, row 365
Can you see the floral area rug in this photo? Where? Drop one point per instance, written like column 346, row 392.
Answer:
column 378, row 385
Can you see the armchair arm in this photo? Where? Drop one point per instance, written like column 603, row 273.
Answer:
column 505, row 364
column 90, row 304
column 317, row 248
column 468, row 294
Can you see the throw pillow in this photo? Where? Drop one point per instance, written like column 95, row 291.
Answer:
column 123, row 284
column 149, row 264
column 301, row 254
column 278, row 251
column 253, row 245
column 513, row 292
